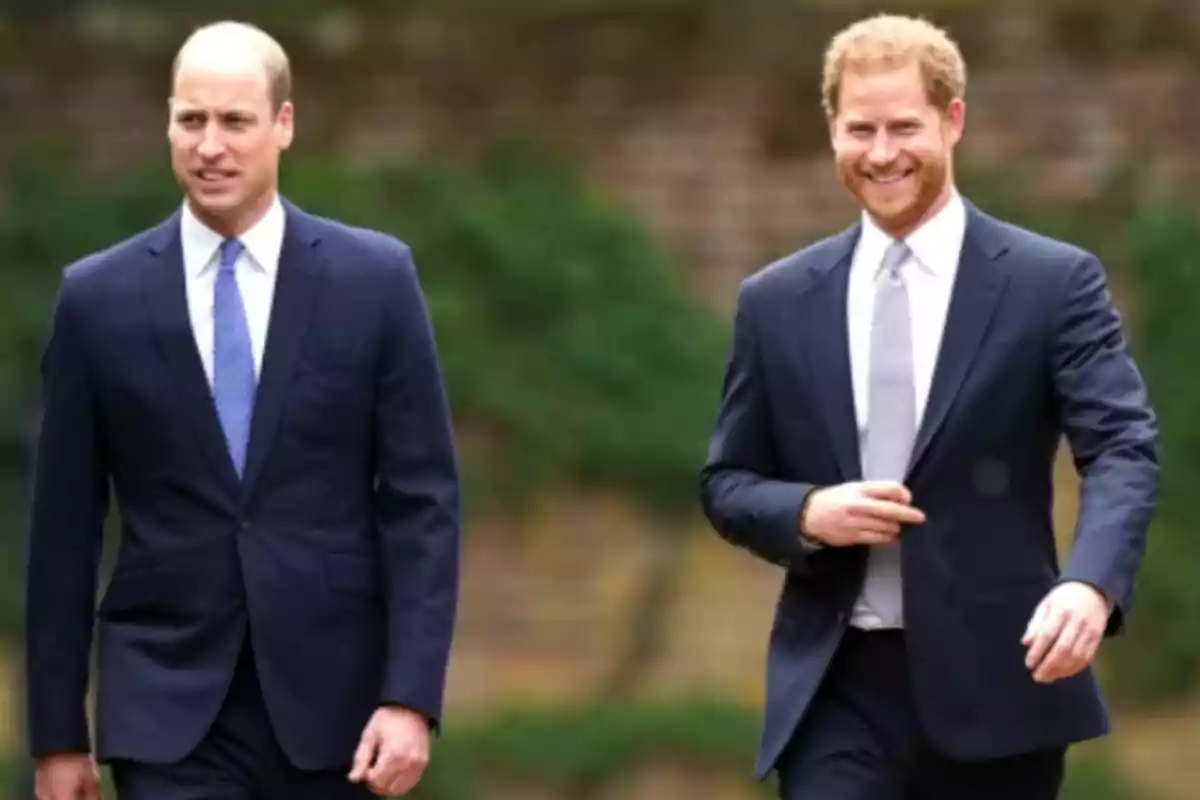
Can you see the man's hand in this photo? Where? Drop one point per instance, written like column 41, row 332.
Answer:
column 1065, row 631
column 864, row 512
column 393, row 752
column 70, row 776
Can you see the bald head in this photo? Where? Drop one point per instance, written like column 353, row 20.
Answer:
column 237, row 48
column 231, row 118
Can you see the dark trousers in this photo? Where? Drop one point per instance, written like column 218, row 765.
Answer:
column 239, row 759
column 861, row 740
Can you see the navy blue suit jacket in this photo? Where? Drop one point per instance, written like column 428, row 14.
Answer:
column 1033, row 349
column 337, row 553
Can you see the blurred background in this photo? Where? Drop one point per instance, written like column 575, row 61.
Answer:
column 584, row 184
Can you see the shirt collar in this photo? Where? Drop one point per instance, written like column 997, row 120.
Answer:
column 263, row 241
column 935, row 245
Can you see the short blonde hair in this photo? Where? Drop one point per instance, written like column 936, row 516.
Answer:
column 889, row 40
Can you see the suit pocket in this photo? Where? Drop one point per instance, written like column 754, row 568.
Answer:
column 352, row 573
column 328, row 405
column 134, row 592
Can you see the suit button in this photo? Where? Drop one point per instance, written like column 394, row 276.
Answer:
column 245, row 526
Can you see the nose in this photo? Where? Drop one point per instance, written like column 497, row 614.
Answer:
column 883, row 149
column 211, row 144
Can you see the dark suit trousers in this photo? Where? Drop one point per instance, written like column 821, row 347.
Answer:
column 861, row 740
column 239, row 759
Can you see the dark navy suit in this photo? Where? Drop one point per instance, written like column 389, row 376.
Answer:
column 334, row 561
column 1032, row 350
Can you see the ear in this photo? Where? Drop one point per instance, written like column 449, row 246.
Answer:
column 955, row 119
column 831, row 122
column 285, row 125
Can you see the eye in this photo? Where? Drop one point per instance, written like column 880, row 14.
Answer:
column 234, row 121
column 190, row 120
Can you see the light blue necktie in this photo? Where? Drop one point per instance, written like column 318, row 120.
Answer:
column 233, row 358
column 891, row 422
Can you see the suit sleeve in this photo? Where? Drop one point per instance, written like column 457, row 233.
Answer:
column 417, row 501
column 1113, row 433
column 743, row 498
column 69, row 504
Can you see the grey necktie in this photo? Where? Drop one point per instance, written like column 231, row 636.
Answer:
column 891, row 421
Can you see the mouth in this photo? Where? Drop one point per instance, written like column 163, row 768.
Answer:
column 211, row 176
column 891, row 178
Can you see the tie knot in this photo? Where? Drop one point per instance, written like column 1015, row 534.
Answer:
column 897, row 253
column 230, row 250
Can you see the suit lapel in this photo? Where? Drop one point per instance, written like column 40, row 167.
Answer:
column 166, row 299
column 301, row 270
column 978, row 286
column 827, row 348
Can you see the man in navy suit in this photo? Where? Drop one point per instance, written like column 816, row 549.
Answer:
column 891, row 410
column 259, row 389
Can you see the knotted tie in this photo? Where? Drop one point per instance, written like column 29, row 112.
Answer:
column 233, row 358
column 891, row 422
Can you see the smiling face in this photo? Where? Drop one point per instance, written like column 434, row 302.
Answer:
column 893, row 147
column 226, row 134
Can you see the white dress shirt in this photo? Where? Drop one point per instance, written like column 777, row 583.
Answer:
column 929, row 274
column 255, row 271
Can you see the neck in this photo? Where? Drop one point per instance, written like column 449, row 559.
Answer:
column 237, row 221
column 906, row 229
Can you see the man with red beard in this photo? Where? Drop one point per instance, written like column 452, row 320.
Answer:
column 890, row 415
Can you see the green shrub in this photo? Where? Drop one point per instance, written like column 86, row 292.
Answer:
column 572, row 352
column 1150, row 249
column 1159, row 656
column 551, row 748
column 565, row 331
column 1090, row 778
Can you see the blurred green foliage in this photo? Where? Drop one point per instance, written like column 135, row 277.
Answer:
column 1093, row 777
column 573, row 355
column 571, row 349
column 1151, row 248
column 573, row 352
column 546, row 750
column 551, row 747
column 1159, row 657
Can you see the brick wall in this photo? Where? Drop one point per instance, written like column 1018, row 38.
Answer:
column 546, row 599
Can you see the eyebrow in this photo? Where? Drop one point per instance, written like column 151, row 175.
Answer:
column 193, row 111
column 866, row 123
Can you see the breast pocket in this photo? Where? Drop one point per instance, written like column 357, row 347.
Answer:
column 329, row 395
